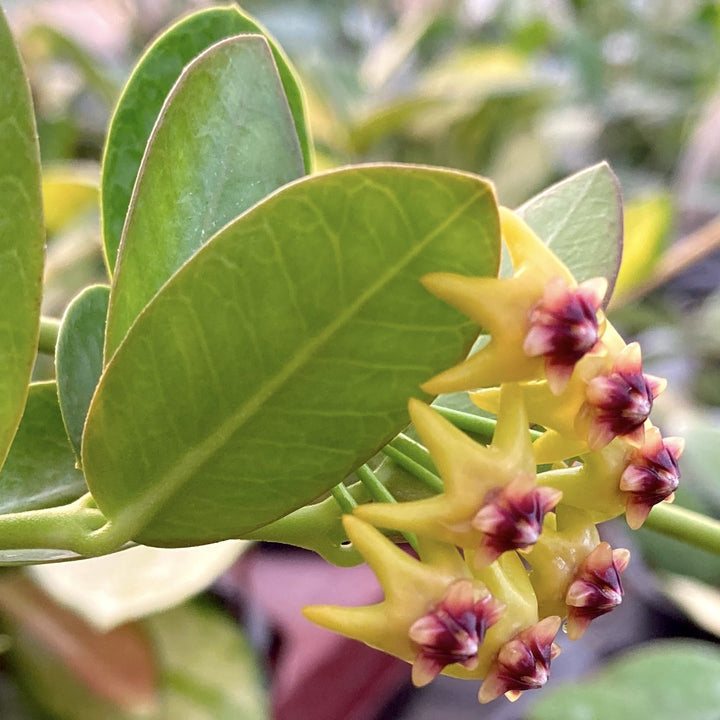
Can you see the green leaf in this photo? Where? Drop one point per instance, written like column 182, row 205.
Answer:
column 79, row 357
column 662, row 681
column 282, row 355
column 208, row 669
column 228, row 130
column 580, row 219
column 40, row 468
column 22, row 238
column 145, row 93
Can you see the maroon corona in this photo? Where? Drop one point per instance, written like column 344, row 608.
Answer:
column 564, row 327
column 620, row 402
column 652, row 475
column 512, row 517
column 596, row 589
column 522, row 663
column 453, row 631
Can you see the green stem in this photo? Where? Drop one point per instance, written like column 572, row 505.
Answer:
column 415, row 459
column 689, row 527
column 483, row 428
column 49, row 328
column 78, row 527
column 343, row 498
column 380, row 493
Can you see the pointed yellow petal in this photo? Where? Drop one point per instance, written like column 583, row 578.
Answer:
column 512, row 434
column 528, row 252
column 455, row 455
column 368, row 623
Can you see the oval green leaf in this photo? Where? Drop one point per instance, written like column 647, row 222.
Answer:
column 662, row 681
column 79, row 357
column 581, row 219
column 282, row 355
column 40, row 468
column 224, row 140
column 22, row 238
column 145, row 93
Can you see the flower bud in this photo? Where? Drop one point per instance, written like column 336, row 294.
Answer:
column 523, row 663
column 568, row 537
column 596, row 589
column 620, row 402
column 651, row 476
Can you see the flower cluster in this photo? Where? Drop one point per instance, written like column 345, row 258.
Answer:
column 507, row 553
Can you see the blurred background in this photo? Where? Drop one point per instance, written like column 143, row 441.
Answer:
column 523, row 92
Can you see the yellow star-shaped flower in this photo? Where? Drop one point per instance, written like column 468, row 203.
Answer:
column 419, row 594
column 487, row 489
column 502, row 307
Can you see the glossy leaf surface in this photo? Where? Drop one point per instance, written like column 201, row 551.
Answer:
column 224, row 140
column 581, row 220
column 660, row 682
column 22, row 238
column 282, row 355
column 40, row 469
column 145, row 93
column 79, row 357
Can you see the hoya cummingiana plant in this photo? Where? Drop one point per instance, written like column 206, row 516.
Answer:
column 552, row 356
column 265, row 332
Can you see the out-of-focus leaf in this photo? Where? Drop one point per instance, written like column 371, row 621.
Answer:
column 22, row 238
column 476, row 72
column 190, row 663
column 230, row 134
column 208, row 671
column 79, row 357
column 71, row 669
column 580, row 219
column 647, row 223
column 43, row 42
column 662, row 681
column 234, row 401
column 145, row 93
column 113, row 589
column 698, row 600
column 68, row 192
column 40, row 469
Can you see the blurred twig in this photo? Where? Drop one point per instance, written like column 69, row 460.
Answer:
column 679, row 257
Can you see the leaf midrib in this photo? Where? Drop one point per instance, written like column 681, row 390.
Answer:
column 137, row 514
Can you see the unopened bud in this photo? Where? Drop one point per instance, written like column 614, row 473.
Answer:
column 652, row 475
column 596, row 589
column 620, row 402
column 522, row 663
